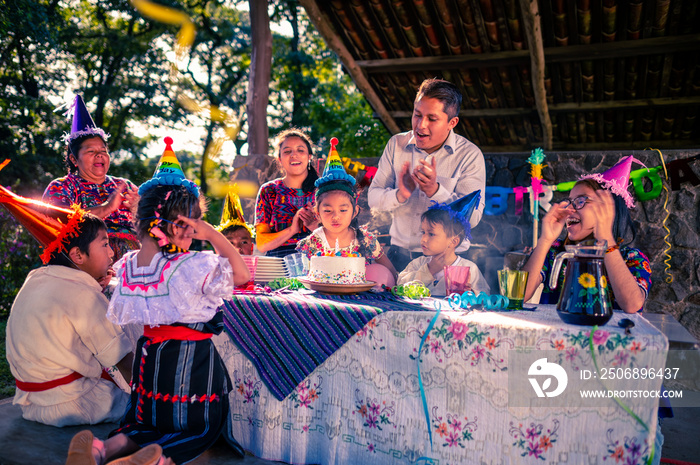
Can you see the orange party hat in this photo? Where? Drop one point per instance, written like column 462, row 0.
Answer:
column 49, row 224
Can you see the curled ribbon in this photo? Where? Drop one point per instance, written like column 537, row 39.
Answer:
column 667, row 260
column 469, row 300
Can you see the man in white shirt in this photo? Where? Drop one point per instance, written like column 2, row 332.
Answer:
column 428, row 163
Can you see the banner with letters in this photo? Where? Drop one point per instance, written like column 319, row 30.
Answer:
column 679, row 172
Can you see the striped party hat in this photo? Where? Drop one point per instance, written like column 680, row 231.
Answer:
column 169, row 172
column 334, row 175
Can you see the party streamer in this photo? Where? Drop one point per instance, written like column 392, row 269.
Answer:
column 230, row 123
column 615, row 398
column 167, row 15
column 667, row 260
column 468, row 300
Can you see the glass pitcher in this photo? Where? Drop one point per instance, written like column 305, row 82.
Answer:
column 585, row 294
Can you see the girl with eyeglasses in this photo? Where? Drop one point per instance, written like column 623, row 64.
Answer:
column 596, row 210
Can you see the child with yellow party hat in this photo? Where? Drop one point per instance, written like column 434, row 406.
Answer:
column 233, row 225
column 59, row 340
column 336, row 206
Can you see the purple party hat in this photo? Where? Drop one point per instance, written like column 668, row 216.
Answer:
column 617, row 179
column 83, row 125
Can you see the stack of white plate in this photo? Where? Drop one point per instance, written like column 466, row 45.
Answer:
column 265, row 269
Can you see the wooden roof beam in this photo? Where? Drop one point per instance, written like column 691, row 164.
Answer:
column 601, row 51
column 335, row 43
column 571, row 107
column 533, row 32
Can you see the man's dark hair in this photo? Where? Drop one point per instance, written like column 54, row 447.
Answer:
column 444, row 91
column 442, row 217
column 86, row 231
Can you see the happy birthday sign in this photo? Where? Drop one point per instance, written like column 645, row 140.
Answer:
column 679, row 173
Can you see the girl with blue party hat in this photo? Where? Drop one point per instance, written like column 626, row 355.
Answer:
column 443, row 228
column 336, row 207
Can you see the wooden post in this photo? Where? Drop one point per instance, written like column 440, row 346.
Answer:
column 533, row 31
column 258, row 85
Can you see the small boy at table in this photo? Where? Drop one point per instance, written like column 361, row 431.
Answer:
column 443, row 228
column 239, row 236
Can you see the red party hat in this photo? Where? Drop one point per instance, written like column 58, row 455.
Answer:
column 49, row 224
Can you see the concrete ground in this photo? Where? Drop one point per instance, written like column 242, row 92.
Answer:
column 25, row 442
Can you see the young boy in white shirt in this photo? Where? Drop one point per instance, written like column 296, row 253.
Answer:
column 443, row 228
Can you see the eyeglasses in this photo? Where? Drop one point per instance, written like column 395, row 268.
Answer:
column 578, row 203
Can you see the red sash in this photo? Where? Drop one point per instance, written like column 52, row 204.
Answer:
column 179, row 333
column 39, row 387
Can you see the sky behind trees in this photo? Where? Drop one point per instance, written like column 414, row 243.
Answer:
column 122, row 63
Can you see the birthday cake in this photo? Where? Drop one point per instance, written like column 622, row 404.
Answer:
column 337, row 270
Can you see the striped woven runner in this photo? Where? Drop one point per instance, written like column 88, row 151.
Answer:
column 286, row 336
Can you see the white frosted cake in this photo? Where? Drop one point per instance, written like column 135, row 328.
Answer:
column 337, row 270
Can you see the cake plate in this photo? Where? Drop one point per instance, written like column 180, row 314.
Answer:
column 328, row 288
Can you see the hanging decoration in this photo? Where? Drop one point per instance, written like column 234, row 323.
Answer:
column 231, row 123
column 667, row 260
column 678, row 172
column 535, row 160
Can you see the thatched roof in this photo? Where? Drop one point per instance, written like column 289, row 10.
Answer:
column 594, row 75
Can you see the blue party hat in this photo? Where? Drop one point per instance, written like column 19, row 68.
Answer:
column 169, row 172
column 83, row 125
column 461, row 210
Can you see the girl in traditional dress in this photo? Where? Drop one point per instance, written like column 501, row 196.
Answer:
column 180, row 385
column 284, row 207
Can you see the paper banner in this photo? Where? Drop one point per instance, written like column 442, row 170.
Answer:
column 652, row 175
column 680, row 171
column 519, row 191
column 545, row 199
column 497, row 200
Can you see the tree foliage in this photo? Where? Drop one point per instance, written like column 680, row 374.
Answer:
column 122, row 64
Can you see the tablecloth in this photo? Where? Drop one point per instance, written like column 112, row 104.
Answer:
column 363, row 403
column 287, row 335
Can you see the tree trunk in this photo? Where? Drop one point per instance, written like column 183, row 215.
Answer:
column 257, row 164
column 258, row 85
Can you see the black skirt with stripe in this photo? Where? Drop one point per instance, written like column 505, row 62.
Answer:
column 179, row 396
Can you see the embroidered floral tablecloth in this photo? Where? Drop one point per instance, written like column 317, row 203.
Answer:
column 363, row 404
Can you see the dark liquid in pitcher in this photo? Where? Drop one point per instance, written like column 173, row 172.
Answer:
column 578, row 304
